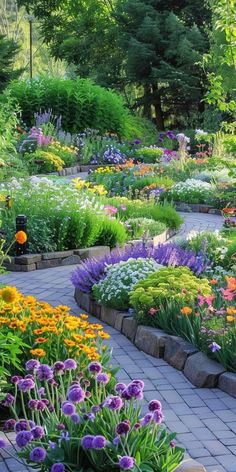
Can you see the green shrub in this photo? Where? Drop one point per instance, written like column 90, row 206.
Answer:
column 137, row 127
column 80, row 103
column 177, row 285
column 120, row 279
column 138, row 227
column 229, row 143
column 149, row 155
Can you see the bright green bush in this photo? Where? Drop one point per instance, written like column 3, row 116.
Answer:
column 120, row 279
column 80, row 103
column 149, row 155
column 229, row 143
column 177, row 285
column 137, row 127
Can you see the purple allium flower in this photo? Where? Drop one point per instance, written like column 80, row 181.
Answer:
column 95, row 409
column 158, row 416
column 41, row 405
column 134, row 389
column 38, row 454
column 15, row 379
column 8, row 400
column 25, row 385
column 154, row 405
column 75, row 418
column 102, row 378
column 23, row 425
column 2, row 443
column 29, row 376
column 9, row 424
column 86, row 382
column 59, row 467
column 126, row 462
column 214, row 347
column 172, row 444
column 58, row 367
column 137, row 425
column 23, row 438
column 115, row 403
column 122, row 428
column 76, row 394
column 68, row 408
column 120, row 387
column 146, row 419
column 70, row 364
column 60, row 426
column 87, row 442
column 32, row 364
column 140, row 383
column 38, row 432
column 41, row 391
column 44, row 372
column 99, row 442
column 95, row 367
column 116, row 441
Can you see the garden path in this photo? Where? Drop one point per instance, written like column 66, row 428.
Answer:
column 205, row 419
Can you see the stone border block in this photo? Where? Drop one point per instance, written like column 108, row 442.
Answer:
column 120, row 318
column 95, row 251
column 202, row 371
column 227, row 383
column 177, row 350
column 129, row 327
column 150, row 340
column 190, row 465
column 57, row 255
column 108, row 315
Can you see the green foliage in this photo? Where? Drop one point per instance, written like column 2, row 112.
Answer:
column 229, row 143
column 10, row 350
column 137, row 127
column 80, row 103
column 8, row 52
column 120, row 279
column 149, row 155
column 139, row 227
column 167, row 285
column 8, row 123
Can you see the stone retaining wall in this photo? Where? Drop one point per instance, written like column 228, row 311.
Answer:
column 30, row 262
column 196, row 366
column 81, row 168
column 196, row 208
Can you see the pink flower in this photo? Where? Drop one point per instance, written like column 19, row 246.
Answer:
column 152, row 311
column 208, row 300
column 228, row 295
column 110, row 210
column 123, row 207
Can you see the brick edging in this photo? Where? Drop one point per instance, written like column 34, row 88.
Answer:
column 199, row 369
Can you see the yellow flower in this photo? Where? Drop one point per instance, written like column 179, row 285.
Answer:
column 103, row 335
column 84, row 316
column 38, row 352
column 10, row 294
column 21, row 237
column 186, row 310
column 69, row 342
column 230, row 318
column 231, row 310
column 41, row 340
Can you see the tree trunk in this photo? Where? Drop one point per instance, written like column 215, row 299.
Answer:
column 158, row 111
column 147, row 112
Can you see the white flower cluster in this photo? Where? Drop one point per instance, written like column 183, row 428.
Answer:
column 192, row 185
column 120, row 280
column 200, row 132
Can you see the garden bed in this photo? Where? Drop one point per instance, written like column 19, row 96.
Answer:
column 196, row 366
column 47, row 260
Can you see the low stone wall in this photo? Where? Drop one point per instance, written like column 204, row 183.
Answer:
column 196, row 208
column 196, row 366
column 30, row 262
column 81, row 168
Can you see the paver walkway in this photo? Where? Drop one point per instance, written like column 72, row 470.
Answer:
column 205, row 419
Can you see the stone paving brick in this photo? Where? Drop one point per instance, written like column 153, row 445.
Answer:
column 197, row 453
column 215, row 424
column 216, row 468
column 216, row 447
column 227, row 461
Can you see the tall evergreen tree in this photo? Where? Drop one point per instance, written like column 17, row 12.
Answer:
column 8, row 52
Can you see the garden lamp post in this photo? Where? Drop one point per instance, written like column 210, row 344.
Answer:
column 21, row 225
column 30, row 19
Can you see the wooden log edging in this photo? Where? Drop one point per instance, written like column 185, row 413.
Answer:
column 179, row 353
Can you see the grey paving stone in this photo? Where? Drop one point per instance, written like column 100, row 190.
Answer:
column 227, row 461
column 216, row 468
column 192, row 421
column 216, row 447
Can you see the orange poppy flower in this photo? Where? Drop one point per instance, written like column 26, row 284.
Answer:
column 21, row 237
column 186, row 310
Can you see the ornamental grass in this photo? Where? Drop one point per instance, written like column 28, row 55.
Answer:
column 48, row 332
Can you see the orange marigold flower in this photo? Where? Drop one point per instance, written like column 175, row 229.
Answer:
column 230, row 318
column 41, row 340
column 10, row 294
column 213, row 282
column 103, row 335
column 84, row 317
column 69, row 342
column 186, row 310
column 38, row 352
column 21, row 237
column 231, row 310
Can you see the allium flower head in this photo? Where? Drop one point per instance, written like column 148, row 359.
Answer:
column 38, row 432
column 32, row 364
column 38, row 454
column 126, row 462
column 2, row 443
column 115, row 403
column 87, row 442
column 99, row 442
column 120, row 387
column 23, row 438
column 25, row 385
column 102, row 378
column 44, row 372
column 154, row 405
column 76, row 394
column 122, row 428
column 70, row 364
column 59, row 467
column 95, row 367
column 68, row 408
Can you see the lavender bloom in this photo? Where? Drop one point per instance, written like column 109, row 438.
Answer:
column 59, row 467
column 25, row 385
column 122, row 428
column 126, row 462
column 99, row 442
column 172, row 255
column 76, row 394
column 87, row 442
column 32, row 364
column 44, row 372
column 95, row 367
column 70, row 364
column 23, row 438
column 38, row 454
column 102, row 378
column 38, row 432
column 154, row 405
column 68, row 408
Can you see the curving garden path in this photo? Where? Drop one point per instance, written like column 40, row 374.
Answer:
column 205, row 419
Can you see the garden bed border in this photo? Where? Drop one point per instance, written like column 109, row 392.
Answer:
column 196, row 208
column 47, row 260
column 199, row 369
column 76, row 169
